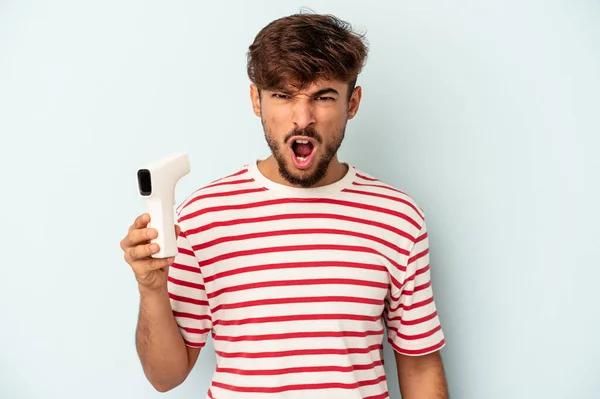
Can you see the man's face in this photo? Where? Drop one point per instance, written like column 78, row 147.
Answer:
column 304, row 129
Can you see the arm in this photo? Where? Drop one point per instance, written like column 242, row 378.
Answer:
column 413, row 326
column 421, row 377
column 165, row 358
column 174, row 316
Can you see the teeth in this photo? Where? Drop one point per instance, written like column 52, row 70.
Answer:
column 302, row 141
column 301, row 159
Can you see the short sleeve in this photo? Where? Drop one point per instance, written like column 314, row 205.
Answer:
column 413, row 324
column 188, row 296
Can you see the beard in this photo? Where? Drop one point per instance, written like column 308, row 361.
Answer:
column 304, row 179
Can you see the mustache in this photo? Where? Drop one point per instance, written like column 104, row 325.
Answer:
column 309, row 132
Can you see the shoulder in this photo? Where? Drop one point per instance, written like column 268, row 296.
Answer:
column 387, row 196
column 214, row 191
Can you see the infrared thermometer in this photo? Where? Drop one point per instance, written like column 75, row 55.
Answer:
column 156, row 185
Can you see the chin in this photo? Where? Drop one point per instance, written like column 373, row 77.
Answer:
column 305, row 176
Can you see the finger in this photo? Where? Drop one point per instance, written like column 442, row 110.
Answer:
column 140, row 222
column 138, row 237
column 159, row 263
column 141, row 251
column 177, row 230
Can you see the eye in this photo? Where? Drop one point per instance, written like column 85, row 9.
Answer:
column 280, row 96
column 323, row 98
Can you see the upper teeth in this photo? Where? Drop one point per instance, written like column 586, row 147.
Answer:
column 302, row 141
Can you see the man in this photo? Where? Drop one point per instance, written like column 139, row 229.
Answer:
column 292, row 262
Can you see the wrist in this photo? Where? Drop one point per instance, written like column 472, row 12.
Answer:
column 153, row 292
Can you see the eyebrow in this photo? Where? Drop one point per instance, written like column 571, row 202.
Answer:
column 318, row 93
column 325, row 91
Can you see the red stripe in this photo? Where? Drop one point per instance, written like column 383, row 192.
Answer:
column 219, row 183
column 421, row 271
column 422, row 237
column 379, row 186
column 404, row 292
column 416, row 336
column 413, row 277
column 384, row 395
column 413, row 322
column 263, row 219
column 360, row 175
column 192, row 269
column 239, row 173
column 294, row 370
column 303, row 317
column 194, row 344
column 419, row 351
column 236, row 174
column 395, row 281
column 277, row 233
column 297, row 335
column 300, row 352
column 296, row 387
column 198, row 331
column 281, row 301
column 185, row 283
column 294, row 265
column 180, row 298
column 186, row 251
column 224, row 193
column 418, row 256
column 191, row 315
column 417, row 289
column 291, row 248
column 292, row 283
column 413, row 305
column 286, row 201
column 388, row 197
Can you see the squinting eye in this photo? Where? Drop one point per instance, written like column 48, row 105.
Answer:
column 280, row 96
column 326, row 98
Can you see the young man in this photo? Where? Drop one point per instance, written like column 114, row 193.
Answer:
column 297, row 264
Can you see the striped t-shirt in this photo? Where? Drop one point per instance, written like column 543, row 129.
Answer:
column 296, row 286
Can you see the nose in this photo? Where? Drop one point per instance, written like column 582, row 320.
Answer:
column 303, row 113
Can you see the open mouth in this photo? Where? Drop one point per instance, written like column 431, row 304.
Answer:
column 303, row 150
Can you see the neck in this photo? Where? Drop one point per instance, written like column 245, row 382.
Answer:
column 335, row 172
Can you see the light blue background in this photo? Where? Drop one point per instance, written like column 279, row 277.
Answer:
column 487, row 113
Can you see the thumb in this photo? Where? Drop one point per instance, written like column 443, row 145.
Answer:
column 177, row 230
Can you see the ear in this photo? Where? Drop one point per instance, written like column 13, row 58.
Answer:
column 354, row 102
column 255, row 98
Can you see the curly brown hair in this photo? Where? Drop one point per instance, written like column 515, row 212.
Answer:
column 301, row 49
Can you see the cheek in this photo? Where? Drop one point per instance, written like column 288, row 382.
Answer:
column 329, row 125
column 331, row 116
column 280, row 117
column 273, row 114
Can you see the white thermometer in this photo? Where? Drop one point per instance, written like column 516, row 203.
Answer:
column 156, row 185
